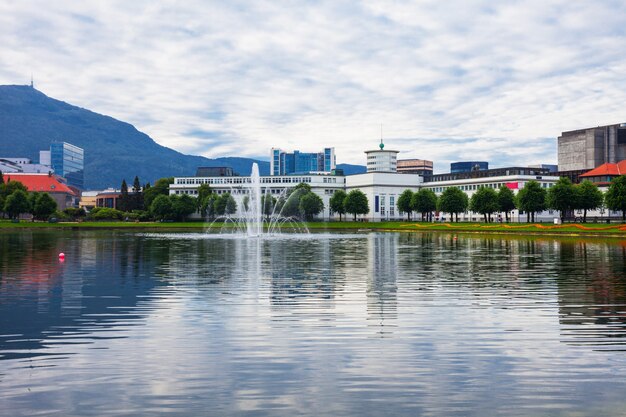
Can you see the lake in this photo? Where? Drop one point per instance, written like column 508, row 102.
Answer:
column 330, row 324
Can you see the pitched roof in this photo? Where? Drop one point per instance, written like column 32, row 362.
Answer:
column 40, row 182
column 607, row 169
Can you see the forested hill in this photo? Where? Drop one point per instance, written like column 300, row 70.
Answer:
column 114, row 150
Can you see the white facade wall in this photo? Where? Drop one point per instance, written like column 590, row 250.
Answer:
column 382, row 191
column 382, row 161
column 322, row 185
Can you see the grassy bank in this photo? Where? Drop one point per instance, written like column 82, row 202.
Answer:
column 574, row 229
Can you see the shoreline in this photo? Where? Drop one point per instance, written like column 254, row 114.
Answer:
column 517, row 229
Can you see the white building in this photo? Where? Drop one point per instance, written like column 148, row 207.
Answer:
column 382, row 190
column 22, row 165
column 324, row 185
column 380, row 160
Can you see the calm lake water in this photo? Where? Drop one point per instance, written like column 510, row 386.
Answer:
column 345, row 325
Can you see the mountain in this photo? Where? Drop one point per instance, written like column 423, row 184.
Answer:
column 114, row 150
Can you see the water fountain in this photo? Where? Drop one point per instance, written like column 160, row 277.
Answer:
column 251, row 221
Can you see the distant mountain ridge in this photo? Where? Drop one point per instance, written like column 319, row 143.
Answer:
column 114, row 150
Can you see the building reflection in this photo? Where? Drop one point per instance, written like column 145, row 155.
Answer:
column 41, row 298
column 382, row 275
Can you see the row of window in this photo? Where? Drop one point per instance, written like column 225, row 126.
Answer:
column 473, row 187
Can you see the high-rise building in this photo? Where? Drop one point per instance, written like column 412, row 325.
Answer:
column 589, row 148
column 296, row 162
column 67, row 161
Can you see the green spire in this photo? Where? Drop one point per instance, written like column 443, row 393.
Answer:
column 382, row 145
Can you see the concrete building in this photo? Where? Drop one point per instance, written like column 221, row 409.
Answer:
column 382, row 190
column 296, row 162
column 23, row 165
column 468, row 166
column 381, row 160
column 589, row 148
column 324, row 185
column 415, row 166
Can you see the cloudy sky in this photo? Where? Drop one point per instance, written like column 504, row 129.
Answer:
column 447, row 80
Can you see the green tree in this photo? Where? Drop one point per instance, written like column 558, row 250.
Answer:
column 311, row 205
column 208, row 206
column 16, row 204
column 161, row 187
column 404, row 203
column 453, row 201
column 231, row 205
column 161, row 207
column 137, row 197
column 531, row 199
column 123, row 202
column 356, row 203
column 219, row 206
column 562, row 196
column 589, row 197
column 485, row 202
column 44, row 206
column 336, row 202
column 268, row 204
column 203, row 191
column 291, row 206
column 615, row 196
column 182, row 206
column 506, row 201
column 1, row 178
column 424, row 201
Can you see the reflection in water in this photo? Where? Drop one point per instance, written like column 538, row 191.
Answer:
column 378, row 324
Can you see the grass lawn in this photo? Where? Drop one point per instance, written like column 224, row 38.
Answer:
column 602, row 229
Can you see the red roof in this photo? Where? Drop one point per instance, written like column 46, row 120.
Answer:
column 40, row 182
column 608, row 169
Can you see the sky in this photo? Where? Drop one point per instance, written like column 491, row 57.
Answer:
column 442, row 80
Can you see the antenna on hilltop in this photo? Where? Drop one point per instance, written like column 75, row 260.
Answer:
column 32, row 85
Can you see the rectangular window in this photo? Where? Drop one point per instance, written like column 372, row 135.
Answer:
column 376, row 204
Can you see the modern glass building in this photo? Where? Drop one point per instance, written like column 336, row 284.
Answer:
column 296, row 162
column 468, row 166
column 68, row 161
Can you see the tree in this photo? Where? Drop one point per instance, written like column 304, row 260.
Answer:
column 291, row 206
column 208, row 206
column 356, row 203
column 506, row 201
column 531, row 199
column 485, row 202
column 1, row 178
column 589, row 197
column 562, row 196
column 424, row 201
column 161, row 207
column 203, row 191
column 161, row 187
column 311, row 205
column 615, row 197
column 231, row 205
column 137, row 197
column 336, row 202
column 404, row 203
column 123, row 202
column 219, row 206
column 16, row 204
column 246, row 202
column 268, row 203
column 44, row 206
column 182, row 206
column 453, row 201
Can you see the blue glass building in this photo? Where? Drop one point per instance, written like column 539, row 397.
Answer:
column 468, row 166
column 68, row 161
column 296, row 162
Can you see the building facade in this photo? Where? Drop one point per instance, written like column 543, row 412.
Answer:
column 68, row 161
column 324, row 185
column 589, row 148
column 296, row 162
column 381, row 160
column 415, row 166
column 468, row 166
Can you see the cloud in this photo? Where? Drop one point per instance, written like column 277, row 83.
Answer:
column 493, row 77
